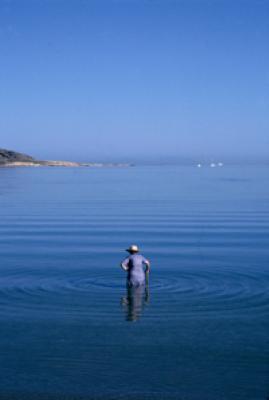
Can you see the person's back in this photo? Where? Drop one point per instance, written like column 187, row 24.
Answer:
column 136, row 266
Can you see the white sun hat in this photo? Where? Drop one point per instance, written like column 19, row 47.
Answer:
column 133, row 248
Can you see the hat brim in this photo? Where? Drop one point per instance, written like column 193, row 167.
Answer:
column 131, row 250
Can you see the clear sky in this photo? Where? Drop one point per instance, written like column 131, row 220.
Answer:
column 134, row 79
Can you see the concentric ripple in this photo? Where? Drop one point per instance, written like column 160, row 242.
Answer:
column 192, row 291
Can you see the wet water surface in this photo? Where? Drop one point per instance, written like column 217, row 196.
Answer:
column 69, row 327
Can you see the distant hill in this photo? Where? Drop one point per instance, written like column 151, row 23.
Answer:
column 10, row 158
column 7, row 156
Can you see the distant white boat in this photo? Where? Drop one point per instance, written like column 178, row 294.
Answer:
column 199, row 165
column 220, row 164
column 212, row 165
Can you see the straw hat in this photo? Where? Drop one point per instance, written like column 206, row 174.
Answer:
column 133, row 249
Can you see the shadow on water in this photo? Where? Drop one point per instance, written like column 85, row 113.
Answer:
column 134, row 301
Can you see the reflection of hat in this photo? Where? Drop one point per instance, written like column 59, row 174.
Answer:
column 134, row 248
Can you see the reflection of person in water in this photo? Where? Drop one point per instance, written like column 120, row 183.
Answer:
column 134, row 301
column 137, row 268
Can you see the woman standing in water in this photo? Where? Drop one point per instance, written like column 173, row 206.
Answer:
column 136, row 266
column 137, row 295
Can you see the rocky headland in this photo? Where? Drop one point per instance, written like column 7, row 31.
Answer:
column 10, row 158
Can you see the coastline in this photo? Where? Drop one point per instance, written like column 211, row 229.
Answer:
column 54, row 163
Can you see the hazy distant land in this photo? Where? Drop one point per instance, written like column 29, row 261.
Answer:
column 10, row 158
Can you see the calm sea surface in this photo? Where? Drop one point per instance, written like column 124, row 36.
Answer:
column 69, row 330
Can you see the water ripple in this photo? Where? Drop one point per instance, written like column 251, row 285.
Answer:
column 190, row 291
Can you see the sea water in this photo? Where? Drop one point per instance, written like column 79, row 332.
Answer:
column 71, row 330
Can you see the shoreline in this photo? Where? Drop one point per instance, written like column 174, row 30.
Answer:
column 53, row 163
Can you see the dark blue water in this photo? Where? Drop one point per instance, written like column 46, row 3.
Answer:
column 69, row 330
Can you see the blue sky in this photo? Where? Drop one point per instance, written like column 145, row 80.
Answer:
column 132, row 79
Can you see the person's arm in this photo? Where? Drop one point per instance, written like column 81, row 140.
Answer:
column 147, row 269
column 147, row 264
column 125, row 264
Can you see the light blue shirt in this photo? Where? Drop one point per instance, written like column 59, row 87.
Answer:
column 135, row 265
